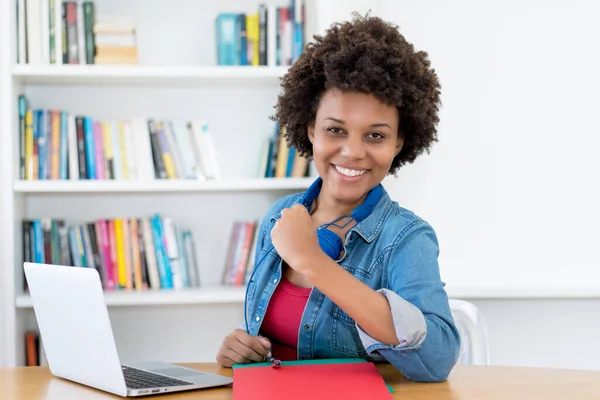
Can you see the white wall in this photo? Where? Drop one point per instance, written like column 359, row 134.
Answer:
column 543, row 333
column 509, row 187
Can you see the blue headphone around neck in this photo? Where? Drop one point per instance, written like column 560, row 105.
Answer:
column 329, row 241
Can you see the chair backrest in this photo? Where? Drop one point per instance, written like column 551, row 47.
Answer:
column 473, row 331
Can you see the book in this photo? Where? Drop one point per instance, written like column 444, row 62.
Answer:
column 129, row 253
column 72, row 32
column 270, row 36
column 329, row 379
column 56, row 144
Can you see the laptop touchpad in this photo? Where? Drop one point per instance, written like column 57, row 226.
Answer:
column 178, row 372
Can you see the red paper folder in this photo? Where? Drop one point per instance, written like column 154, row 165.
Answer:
column 329, row 381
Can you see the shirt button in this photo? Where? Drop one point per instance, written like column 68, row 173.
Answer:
column 275, row 280
column 258, row 318
column 306, row 326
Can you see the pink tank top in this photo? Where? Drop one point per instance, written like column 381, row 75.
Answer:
column 282, row 319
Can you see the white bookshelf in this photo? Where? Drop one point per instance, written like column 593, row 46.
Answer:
column 188, row 296
column 145, row 75
column 176, row 79
column 108, row 186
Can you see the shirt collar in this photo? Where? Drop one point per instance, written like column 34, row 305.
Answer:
column 371, row 226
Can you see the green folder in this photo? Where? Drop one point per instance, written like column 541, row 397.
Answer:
column 310, row 362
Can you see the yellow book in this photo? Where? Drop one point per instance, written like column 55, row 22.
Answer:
column 122, row 145
column 282, row 156
column 122, row 279
column 127, row 254
column 29, row 145
column 252, row 34
column 300, row 166
column 55, row 144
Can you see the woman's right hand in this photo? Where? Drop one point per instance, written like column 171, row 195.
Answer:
column 240, row 348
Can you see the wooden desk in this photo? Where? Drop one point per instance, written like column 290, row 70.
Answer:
column 465, row 382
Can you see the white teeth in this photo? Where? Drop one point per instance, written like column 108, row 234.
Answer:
column 350, row 172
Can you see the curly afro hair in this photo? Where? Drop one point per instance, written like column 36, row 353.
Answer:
column 364, row 55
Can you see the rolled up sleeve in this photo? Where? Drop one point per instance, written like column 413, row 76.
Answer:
column 409, row 323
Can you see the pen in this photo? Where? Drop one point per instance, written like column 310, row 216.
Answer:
column 275, row 363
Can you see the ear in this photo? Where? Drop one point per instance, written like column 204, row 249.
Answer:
column 399, row 144
column 311, row 133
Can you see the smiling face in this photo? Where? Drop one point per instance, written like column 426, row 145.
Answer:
column 354, row 138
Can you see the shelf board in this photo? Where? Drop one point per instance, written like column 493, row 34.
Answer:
column 208, row 295
column 159, row 185
column 145, row 75
column 234, row 295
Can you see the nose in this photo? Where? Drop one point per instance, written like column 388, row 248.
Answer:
column 353, row 148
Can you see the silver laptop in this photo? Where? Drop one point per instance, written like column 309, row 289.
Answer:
column 78, row 340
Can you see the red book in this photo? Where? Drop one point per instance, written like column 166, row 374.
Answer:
column 330, row 381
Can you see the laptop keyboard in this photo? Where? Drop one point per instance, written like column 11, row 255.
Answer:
column 139, row 379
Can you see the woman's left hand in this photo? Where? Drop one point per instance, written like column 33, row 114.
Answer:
column 295, row 238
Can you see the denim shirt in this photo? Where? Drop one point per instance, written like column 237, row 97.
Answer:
column 395, row 253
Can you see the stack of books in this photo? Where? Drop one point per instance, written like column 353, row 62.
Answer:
column 149, row 252
column 115, row 40
column 272, row 36
column 278, row 160
column 58, row 145
column 71, row 32
column 241, row 251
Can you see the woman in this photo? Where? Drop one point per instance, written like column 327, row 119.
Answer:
column 362, row 103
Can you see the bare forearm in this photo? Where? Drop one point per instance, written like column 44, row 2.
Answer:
column 364, row 305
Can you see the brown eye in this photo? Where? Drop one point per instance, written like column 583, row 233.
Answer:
column 376, row 136
column 334, row 129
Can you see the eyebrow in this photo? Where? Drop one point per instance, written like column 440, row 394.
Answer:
column 377, row 125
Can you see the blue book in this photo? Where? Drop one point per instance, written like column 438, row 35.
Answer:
column 41, row 138
column 167, row 260
column 297, row 27
column 269, row 168
column 290, row 161
column 38, row 235
column 90, row 153
column 243, row 37
column 162, row 261
column 228, row 33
